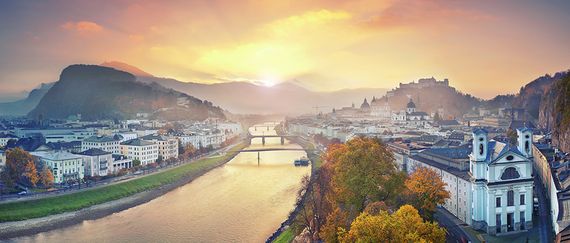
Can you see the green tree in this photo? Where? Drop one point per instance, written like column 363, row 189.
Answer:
column 136, row 162
column 363, row 171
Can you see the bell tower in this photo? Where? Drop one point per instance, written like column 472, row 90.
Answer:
column 525, row 141
column 480, row 145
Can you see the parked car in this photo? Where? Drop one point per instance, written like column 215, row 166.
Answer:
column 22, row 193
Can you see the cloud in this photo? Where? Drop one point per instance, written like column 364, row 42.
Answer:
column 414, row 13
column 82, row 27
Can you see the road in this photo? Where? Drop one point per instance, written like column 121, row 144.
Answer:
column 102, row 183
column 544, row 225
column 454, row 231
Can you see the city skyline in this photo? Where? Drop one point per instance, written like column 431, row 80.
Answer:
column 324, row 45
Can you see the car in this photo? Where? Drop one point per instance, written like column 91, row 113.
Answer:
column 22, row 193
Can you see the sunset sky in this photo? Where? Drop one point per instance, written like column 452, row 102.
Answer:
column 484, row 47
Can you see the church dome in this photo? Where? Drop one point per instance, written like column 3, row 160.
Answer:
column 411, row 104
column 365, row 104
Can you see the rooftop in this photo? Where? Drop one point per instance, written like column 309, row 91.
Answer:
column 137, row 142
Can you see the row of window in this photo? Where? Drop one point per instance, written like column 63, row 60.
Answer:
column 510, row 199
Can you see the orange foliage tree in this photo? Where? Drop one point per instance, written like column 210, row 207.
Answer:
column 427, row 190
column 20, row 168
column 405, row 225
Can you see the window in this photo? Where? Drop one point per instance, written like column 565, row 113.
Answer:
column 510, row 198
column 521, row 202
column 480, row 149
column 522, row 221
column 510, row 173
column 498, row 202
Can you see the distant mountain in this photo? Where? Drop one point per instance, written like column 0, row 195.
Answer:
column 98, row 92
column 554, row 111
column 248, row 98
column 23, row 106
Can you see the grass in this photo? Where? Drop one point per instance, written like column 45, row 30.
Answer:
column 17, row 211
column 286, row 236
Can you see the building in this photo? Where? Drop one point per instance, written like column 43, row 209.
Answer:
column 97, row 162
column 105, row 143
column 380, row 109
column 2, row 159
column 502, row 183
column 5, row 137
column 490, row 184
column 452, row 165
column 167, row 146
column 121, row 162
column 411, row 117
column 137, row 149
column 65, row 166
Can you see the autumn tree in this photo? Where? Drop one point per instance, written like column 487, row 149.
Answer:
column 188, row 152
column 363, row 171
column 336, row 224
column 405, row 225
column 46, row 177
column 20, row 168
column 426, row 190
column 30, row 173
column 317, row 205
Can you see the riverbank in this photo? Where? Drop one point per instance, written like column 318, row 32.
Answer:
column 285, row 233
column 31, row 217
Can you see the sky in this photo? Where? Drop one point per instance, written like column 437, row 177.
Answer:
column 483, row 47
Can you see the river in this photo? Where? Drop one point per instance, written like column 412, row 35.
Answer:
column 238, row 202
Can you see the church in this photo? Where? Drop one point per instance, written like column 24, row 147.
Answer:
column 501, row 183
column 411, row 117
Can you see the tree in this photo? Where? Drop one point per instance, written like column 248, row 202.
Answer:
column 405, row 225
column 30, row 174
column 427, row 190
column 136, row 162
column 46, row 177
column 363, row 171
column 20, row 168
column 336, row 225
column 188, row 152
column 316, row 207
column 512, row 136
column 436, row 117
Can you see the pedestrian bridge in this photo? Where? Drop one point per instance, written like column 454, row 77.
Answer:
column 283, row 137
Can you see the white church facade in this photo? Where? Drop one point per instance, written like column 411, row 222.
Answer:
column 493, row 192
column 502, row 183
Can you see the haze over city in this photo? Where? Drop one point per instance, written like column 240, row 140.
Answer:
column 321, row 45
column 285, row 121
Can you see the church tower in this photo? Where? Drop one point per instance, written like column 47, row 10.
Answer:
column 478, row 168
column 525, row 141
column 411, row 107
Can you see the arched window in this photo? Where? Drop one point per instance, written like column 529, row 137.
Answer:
column 526, row 146
column 510, row 173
column 480, row 149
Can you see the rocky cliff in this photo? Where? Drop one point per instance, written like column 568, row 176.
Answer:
column 554, row 112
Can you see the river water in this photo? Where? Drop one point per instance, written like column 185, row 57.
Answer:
column 238, row 202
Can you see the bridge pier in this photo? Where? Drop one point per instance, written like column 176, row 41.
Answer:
column 263, row 140
column 282, row 140
column 258, row 158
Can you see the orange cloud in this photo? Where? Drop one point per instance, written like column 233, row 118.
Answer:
column 82, row 27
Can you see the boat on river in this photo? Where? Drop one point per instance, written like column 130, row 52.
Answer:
column 303, row 161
